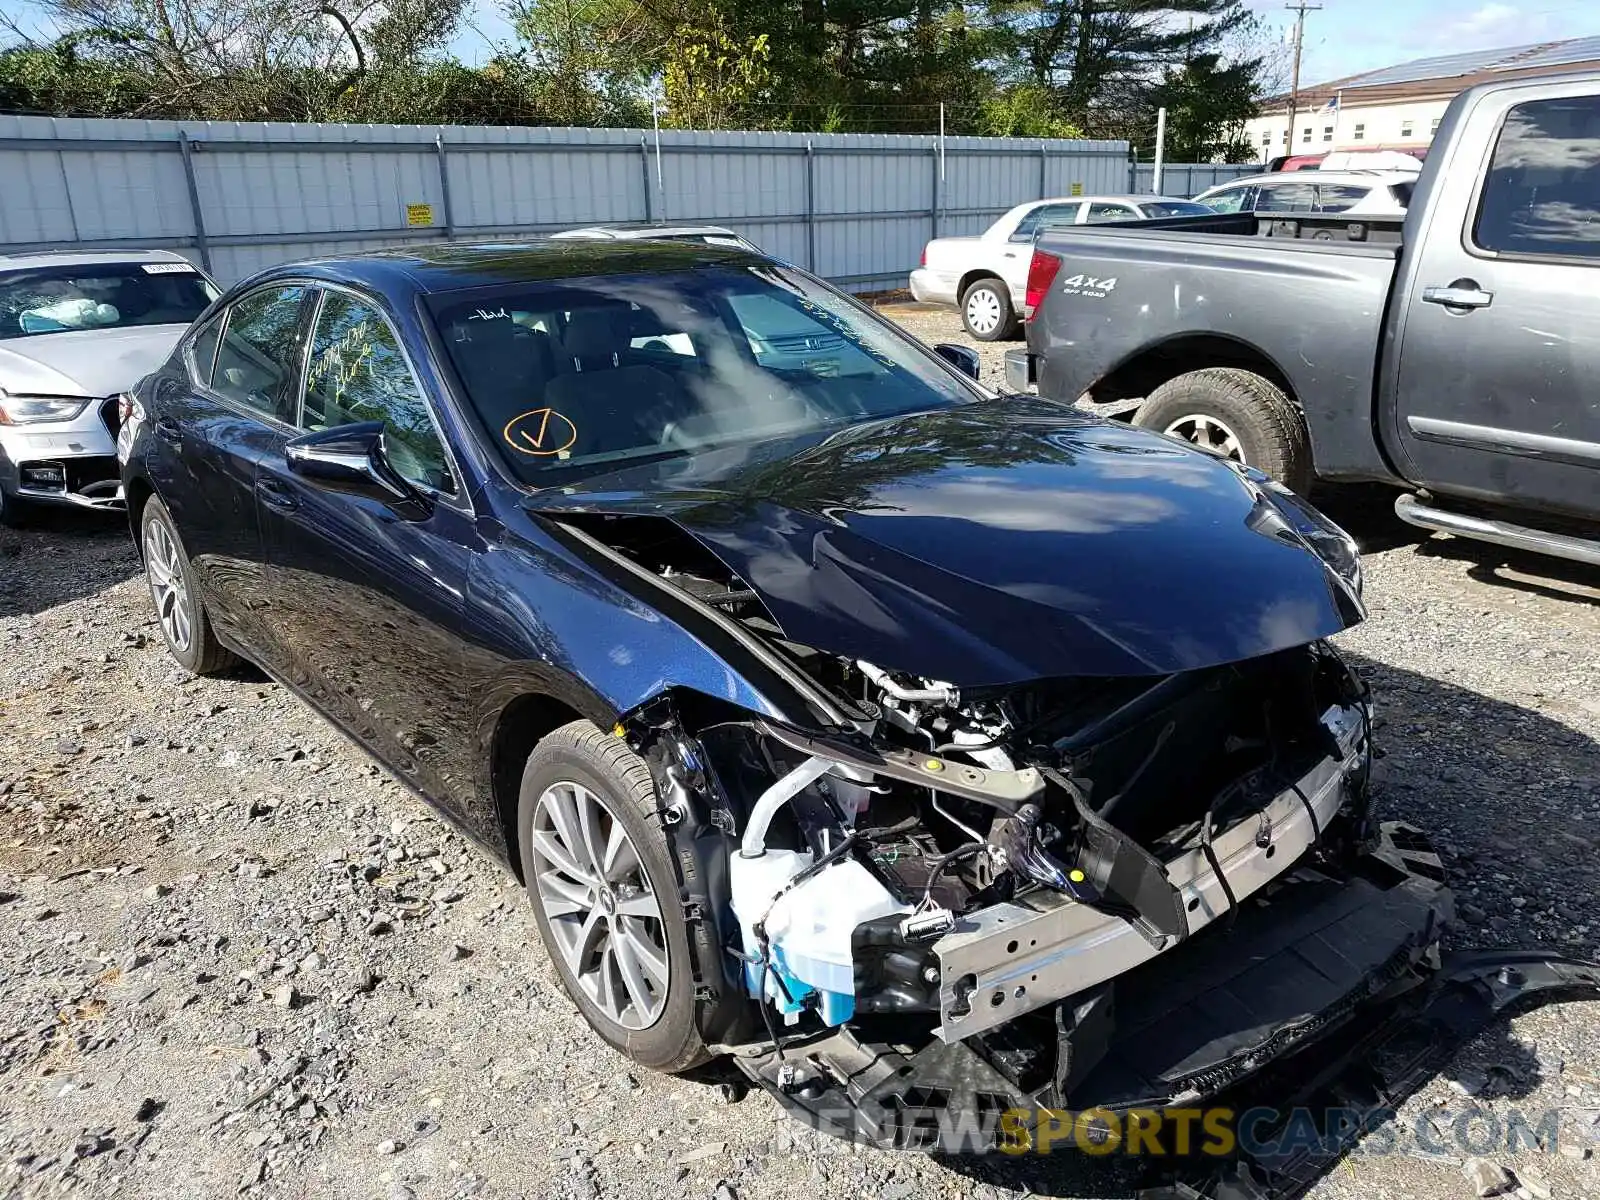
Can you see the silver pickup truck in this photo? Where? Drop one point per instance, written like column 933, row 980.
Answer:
column 1454, row 355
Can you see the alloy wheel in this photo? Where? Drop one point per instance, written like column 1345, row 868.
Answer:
column 604, row 917
column 983, row 310
column 1209, row 434
column 169, row 584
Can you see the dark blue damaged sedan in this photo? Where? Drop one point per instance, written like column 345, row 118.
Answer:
column 837, row 713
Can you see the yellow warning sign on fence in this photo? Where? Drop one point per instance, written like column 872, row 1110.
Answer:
column 419, row 214
column 1077, row 190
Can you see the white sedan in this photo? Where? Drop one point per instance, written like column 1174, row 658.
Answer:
column 987, row 276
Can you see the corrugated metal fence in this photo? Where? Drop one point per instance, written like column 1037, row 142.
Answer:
column 1189, row 179
column 237, row 197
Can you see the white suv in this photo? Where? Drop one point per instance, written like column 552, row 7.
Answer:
column 1361, row 193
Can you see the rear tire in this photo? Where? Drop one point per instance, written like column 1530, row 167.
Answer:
column 180, row 611
column 986, row 311
column 580, row 769
column 1238, row 414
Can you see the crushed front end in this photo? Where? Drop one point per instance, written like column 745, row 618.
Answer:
column 1072, row 893
column 1032, row 780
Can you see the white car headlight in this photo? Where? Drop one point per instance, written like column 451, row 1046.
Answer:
column 28, row 410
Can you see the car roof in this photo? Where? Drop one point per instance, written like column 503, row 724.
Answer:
column 85, row 258
column 1108, row 198
column 462, row 266
column 1370, row 178
column 642, row 229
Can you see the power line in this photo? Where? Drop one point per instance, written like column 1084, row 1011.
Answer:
column 1300, row 10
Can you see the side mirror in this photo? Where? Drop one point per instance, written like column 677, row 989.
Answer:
column 962, row 358
column 351, row 459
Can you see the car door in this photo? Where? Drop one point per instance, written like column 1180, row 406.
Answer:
column 1018, row 252
column 368, row 591
column 1498, row 353
column 218, row 408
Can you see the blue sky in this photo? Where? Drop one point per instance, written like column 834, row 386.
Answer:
column 1347, row 36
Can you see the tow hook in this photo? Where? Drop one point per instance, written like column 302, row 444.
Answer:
column 1264, row 832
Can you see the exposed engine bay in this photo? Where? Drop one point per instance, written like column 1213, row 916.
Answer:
column 927, row 864
column 919, row 907
column 1007, row 768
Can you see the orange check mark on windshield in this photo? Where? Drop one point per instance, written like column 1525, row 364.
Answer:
column 541, row 432
column 536, row 440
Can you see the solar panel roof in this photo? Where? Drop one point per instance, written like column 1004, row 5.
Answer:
column 1512, row 58
column 1573, row 51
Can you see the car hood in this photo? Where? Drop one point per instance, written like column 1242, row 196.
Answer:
column 994, row 543
column 85, row 362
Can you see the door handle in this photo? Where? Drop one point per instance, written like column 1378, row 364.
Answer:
column 1009, row 254
column 1463, row 293
column 274, row 494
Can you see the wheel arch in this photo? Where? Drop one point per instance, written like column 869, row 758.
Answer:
column 1151, row 366
column 136, row 494
column 976, row 275
column 527, row 715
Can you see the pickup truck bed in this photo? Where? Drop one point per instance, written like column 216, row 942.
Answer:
column 1452, row 354
column 1335, row 273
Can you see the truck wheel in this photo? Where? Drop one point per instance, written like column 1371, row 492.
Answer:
column 986, row 311
column 1236, row 414
column 599, row 872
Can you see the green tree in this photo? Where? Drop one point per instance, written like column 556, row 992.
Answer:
column 1101, row 58
column 1025, row 110
column 712, row 72
column 1207, row 106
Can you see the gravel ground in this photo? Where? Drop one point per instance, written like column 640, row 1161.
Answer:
column 244, row 961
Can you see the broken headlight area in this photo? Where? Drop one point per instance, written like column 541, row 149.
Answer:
column 971, row 868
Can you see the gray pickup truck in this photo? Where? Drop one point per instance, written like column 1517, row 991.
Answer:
column 1456, row 354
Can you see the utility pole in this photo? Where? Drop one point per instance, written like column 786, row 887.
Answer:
column 1300, row 9
column 1161, row 151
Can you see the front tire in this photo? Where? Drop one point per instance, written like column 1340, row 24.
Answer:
column 1236, row 414
column 986, row 311
column 181, row 613
column 598, row 871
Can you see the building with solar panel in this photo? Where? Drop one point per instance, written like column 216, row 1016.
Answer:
column 1399, row 108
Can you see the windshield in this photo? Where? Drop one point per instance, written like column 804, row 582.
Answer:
column 103, row 296
column 1175, row 208
column 582, row 376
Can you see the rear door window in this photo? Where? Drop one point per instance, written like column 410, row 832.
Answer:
column 202, row 352
column 1542, row 193
column 1045, row 214
column 258, row 360
column 1286, row 197
column 1102, row 212
column 1337, row 197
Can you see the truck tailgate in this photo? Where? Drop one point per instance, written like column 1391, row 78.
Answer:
column 1312, row 310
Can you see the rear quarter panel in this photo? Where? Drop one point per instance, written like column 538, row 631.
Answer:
column 1312, row 311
